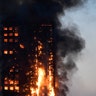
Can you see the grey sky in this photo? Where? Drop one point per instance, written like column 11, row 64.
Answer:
column 84, row 81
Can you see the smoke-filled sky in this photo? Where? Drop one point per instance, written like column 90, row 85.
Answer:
column 84, row 81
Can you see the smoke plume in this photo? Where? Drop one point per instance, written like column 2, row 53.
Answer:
column 36, row 10
column 68, row 42
column 69, row 45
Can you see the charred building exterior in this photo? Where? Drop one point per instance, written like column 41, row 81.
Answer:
column 28, row 54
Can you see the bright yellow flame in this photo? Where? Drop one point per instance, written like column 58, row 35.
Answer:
column 40, row 84
column 33, row 91
column 52, row 92
column 43, row 83
column 41, row 75
column 50, row 86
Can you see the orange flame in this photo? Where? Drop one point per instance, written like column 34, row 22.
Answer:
column 50, row 86
column 41, row 75
column 41, row 83
column 22, row 46
column 44, row 78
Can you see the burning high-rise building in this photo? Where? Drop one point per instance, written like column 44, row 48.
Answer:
column 28, row 65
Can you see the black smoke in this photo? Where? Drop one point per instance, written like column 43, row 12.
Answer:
column 36, row 10
column 69, row 46
column 68, row 42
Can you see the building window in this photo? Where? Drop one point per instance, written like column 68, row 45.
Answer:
column 5, row 51
column 6, row 82
column 5, row 40
column 10, row 52
column 5, row 28
column 11, row 82
column 5, row 34
column 17, row 88
column 10, row 34
column 10, row 40
column 5, row 87
column 16, row 34
column 10, row 28
column 11, row 88
column 16, row 82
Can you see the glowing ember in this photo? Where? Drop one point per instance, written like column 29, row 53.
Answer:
column 22, row 46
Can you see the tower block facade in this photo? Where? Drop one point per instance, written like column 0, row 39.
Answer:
column 29, row 61
column 10, row 67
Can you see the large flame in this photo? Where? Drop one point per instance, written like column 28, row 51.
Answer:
column 44, row 82
column 50, row 86
column 41, row 83
column 41, row 75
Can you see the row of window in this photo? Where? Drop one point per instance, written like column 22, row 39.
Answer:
column 10, row 28
column 12, row 88
column 16, row 34
column 11, row 82
column 10, row 40
column 8, row 52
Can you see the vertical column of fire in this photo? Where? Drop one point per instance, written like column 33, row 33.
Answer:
column 34, row 78
column 50, row 86
column 41, row 70
column 41, row 73
column 32, row 74
column 36, row 73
